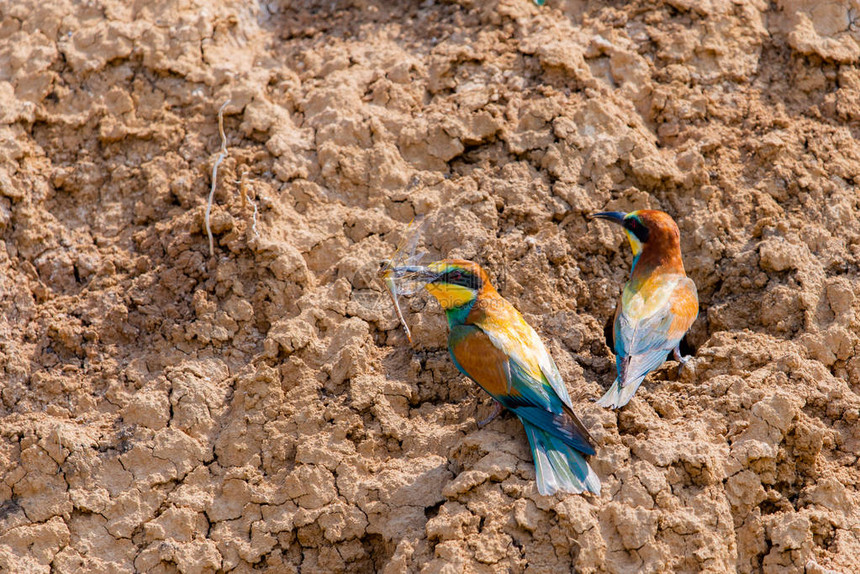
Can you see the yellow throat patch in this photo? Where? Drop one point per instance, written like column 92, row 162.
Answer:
column 635, row 244
column 450, row 296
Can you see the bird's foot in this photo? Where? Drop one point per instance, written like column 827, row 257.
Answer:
column 681, row 360
column 497, row 408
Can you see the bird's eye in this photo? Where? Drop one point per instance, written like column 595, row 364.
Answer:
column 637, row 228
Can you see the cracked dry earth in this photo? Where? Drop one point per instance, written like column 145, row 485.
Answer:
column 164, row 411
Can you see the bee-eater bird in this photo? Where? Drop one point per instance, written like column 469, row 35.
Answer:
column 658, row 304
column 492, row 344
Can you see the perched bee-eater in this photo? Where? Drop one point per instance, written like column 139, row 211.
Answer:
column 658, row 304
column 491, row 343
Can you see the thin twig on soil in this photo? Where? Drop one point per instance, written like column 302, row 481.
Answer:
column 242, row 182
column 221, row 155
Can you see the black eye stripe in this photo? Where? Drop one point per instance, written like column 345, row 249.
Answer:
column 462, row 278
column 636, row 228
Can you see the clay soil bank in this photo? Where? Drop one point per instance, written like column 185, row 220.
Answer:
column 165, row 411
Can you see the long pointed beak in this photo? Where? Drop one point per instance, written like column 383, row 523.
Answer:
column 416, row 272
column 613, row 216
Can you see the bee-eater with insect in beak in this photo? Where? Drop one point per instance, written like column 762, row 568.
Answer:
column 658, row 304
column 491, row 343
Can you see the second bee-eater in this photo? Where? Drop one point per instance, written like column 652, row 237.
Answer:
column 658, row 304
column 492, row 344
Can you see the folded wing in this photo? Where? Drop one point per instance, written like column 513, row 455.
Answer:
column 659, row 323
column 528, row 394
column 646, row 329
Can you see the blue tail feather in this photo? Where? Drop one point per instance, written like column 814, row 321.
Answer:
column 560, row 425
column 617, row 396
column 632, row 370
column 558, row 466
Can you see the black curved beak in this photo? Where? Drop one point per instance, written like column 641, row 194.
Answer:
column 613, row 216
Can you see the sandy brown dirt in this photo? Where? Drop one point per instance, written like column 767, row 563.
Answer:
column 167, row 412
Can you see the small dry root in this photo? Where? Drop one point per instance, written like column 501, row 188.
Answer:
column 221, row 155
